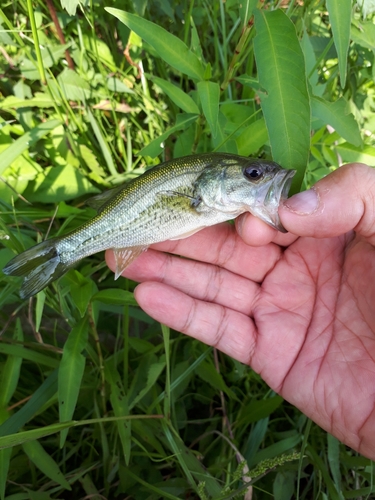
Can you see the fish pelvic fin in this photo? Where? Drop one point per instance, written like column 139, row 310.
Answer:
column 39, row 265
column 124, row 256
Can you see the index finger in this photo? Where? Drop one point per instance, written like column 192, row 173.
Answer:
column 222, row 246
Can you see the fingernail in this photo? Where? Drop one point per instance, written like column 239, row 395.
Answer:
column 304, row 203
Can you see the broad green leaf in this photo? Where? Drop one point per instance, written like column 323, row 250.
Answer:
column 40, row 100
column 252, row 138
column 70, row 6
column 339, row 117
column 363, row 33
column 59, row 184
column 119, row 401
column 178, row 96
column 115, row 296
column 155, row 147
column 209, row 95
column 367, row 6
column 170, row 48
column 71, row 371
column 73, row 87
column 27, row 140
column 82, row 289
column 350, row 153
column 285, row 103
column 340, row 12
column 44, row 462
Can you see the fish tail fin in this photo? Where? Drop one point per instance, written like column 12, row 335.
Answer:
column 39, row 265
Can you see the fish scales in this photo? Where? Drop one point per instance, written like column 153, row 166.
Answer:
column 169, row 201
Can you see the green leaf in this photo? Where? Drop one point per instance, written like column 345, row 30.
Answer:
column 258, row 409
column 153, row 374
column 25, row 353
column 333, row 450
column 170, row 48
column 102, row 143
column 70, row 6
column 71, row 371
column 252, row 138
column 350, row 153
column 40, row 397
column 74, row 87
column 115, row 296
column 119, row 401
column 340, row 12
column 56, row 184
column 5, row 455
column 11, row 371
column 27, row 140
column 178, row 96
column 337, row 114
column 285, row 105
column 208, row 373
column 363, row 33
column 45, row 463
column 209, row 95
column 155, row 147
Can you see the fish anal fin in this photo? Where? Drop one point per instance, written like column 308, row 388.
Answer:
column 124, row 256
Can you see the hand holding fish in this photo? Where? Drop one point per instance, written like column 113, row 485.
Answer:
column 298, row 307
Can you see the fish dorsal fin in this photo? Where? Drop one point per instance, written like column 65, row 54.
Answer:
column 124, row 256
column 98, row 201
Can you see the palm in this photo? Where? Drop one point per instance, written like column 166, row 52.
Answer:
column 299, row 316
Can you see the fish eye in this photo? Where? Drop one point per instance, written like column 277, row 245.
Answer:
column 253, row 173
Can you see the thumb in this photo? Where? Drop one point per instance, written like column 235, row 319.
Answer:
column 341, row 202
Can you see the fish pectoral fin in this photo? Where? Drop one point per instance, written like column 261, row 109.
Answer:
column 189, row 233
column 194, row 201
column 124, row 256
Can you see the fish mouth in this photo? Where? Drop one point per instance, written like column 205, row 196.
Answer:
column 269, row 200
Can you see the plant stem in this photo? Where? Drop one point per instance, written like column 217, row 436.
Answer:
column 242, row 42
column 36, row 43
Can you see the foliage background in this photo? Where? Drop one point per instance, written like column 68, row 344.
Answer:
column 91, row 94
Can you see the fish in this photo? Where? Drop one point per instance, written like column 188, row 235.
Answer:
column 170, row 201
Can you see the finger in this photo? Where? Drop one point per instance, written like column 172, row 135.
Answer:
column 222, row 246
column 337, row 204
column 201, row 281
column 231, row 332
column 255, row 232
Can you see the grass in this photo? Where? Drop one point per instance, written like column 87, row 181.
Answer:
column 98, row 400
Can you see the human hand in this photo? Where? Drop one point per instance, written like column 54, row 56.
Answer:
column 299, row 308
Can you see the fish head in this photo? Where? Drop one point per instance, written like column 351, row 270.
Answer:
column 241, row 185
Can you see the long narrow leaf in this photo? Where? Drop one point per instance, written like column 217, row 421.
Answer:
column 209, row 95
column 119, row 401
column 45, row 463
column 71, row 371
column 340, row 14
column 285, row 103
column 170, row 48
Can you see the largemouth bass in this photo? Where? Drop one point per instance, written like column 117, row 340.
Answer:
column 170, row 201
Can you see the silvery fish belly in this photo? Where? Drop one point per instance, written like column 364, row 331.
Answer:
column 170, row 201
